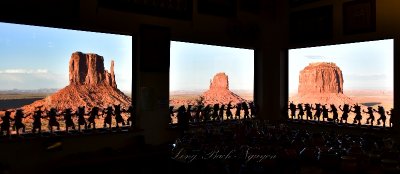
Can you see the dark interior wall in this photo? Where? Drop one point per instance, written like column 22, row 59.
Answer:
column 266, row 31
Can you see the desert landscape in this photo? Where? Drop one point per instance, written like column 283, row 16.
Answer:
column 218, row 93
column 322, row 82
column 90, row 85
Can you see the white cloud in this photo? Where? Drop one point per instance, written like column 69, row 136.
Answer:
column 371, row 76
column 42, row 71
column 24, row 71
column 32, row 80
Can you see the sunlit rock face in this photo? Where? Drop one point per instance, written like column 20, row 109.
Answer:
column 321, row 77
column 321, row 82
column 89, row 85
column 219, row 91
column 88, row 69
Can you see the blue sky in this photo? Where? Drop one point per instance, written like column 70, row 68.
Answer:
column 365, row 65
column 192, row 66
column 37, row 57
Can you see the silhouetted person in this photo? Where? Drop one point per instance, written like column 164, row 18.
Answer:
column 68, row 119
column 81, row 117
column 52, row 115
column 5, row 124
column 292, row 108
column 93, row 114
column 229, row 114
column 301, row 111
column 325, row 113
column 392, row 119
column 335, row 113
column 215, row 111
column 358, row 117
column 346, row 110
column 171, row 113
column 246, row 111
column 221, row 113
column 131, row 121
column 238, row 109
column 308, row 109
column 317, row 114
column 118, row 116
column 189, row 113
column 253, row 109
column 198, row 112
column 182, row 118
column 371, row 117
column 382, row 113
column 37, row 120
column 108, row 119
column 18, row 124
column 206, row 113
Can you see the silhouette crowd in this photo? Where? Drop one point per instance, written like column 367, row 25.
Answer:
column 300, row 110
column 205, row 113
column 84, row 119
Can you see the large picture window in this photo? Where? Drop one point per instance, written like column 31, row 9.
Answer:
column 346, row 83
column 210, row 82
column 49, row 73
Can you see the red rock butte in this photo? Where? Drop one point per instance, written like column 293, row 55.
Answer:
column 88, row 69
column 89, row 85
column 321, row 82
column 321, row 77
column 219, row 91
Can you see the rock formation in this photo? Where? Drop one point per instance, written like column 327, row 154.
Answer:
column 321, row 82
column 321, row 78
column 219, row 91
column 88, row 69
column 89, row 85
column 219, row 82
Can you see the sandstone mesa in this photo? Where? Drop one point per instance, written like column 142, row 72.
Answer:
column 218, row 92
column 89, row 85
column 321, row 82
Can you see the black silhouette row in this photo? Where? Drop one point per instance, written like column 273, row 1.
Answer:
column 68, row 113
column 216, row 112
column 324, row 111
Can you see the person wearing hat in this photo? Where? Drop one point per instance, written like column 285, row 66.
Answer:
column 80, row 113
column 52, row 114
column 371, row 117
column 118, row 116
column 108, row 119
column 37, row 120
column 68, row 119
column 382, row 113
column 93, row 114
column 5, row 125
column 18, row 124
